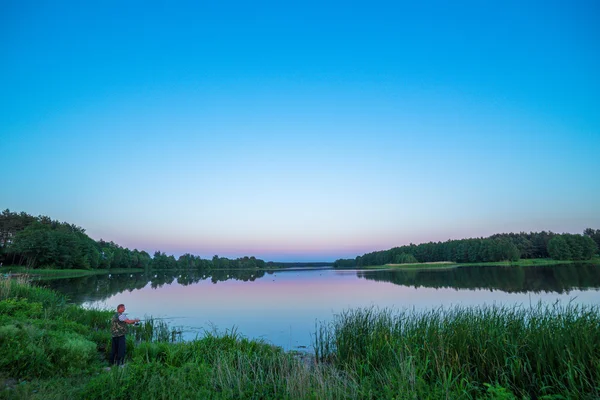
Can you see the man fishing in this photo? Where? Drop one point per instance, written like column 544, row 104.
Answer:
column 118, row 327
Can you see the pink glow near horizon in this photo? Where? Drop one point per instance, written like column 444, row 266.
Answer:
column 303, row 248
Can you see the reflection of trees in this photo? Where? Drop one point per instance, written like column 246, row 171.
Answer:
column 100, row 287
column 557, row 278
column 188, row 277
column 96, row 287
column 239, row 275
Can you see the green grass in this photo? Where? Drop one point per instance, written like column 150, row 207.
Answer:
column 64, row 273
column 53, row 350
column 419, row 266
column 536, row 352
column 533, row 262
column 442, row 265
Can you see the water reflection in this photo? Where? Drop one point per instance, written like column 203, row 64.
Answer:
column 557, row 278
column 283, row 307
column 554, row 279
column 101, row 287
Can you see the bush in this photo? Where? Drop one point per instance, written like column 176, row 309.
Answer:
column 70, row 352
column 21, row 308
column 23, row 353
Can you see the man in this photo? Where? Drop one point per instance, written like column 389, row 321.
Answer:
column 118, row 327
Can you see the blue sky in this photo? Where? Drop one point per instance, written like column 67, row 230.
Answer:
column 304, row 131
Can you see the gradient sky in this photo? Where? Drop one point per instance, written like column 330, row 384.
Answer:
column 301, row 131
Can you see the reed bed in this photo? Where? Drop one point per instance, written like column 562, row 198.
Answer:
column 19, row 287
column 222, row 367
column 528, row 352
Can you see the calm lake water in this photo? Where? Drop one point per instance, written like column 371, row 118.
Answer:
column 282, row 307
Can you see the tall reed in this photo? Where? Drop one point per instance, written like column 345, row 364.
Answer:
column 156, row 330
column 19, row 287
column 220, row 366
column 531, row 351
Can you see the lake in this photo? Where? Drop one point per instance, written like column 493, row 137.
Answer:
column 283, row 306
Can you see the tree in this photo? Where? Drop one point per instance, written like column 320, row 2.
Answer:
column 345, row 263
column 589, row 248
column 508, row 250
column 593, row 234
column 404, row 258
column 558, row 248
column 10, row 224
column 34, row 245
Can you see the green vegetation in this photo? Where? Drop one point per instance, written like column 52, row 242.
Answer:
column 53, row 350
column 101, row 286
column 571, row 247
column 593, row 234
column 440, row 265
column 511, row 279
column 62, row 273
column 503, row 248
column 534, row 262
column 43, row 243
column 417, row 266
column 540, row 352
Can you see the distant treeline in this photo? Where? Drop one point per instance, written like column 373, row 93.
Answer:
column 498, row 247
column 42, row 242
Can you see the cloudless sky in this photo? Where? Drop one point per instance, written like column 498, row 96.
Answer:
column 301, row 131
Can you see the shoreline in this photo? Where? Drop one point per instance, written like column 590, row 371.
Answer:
column 355, row 357
column 37, row 273
column 445, row 265
column 43, row 273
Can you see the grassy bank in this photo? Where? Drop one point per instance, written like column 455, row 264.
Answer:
column 52, row 350
column 534, row 262
column 493, row 352
column 419, row 266
column 440, row 265
column 64, row 273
